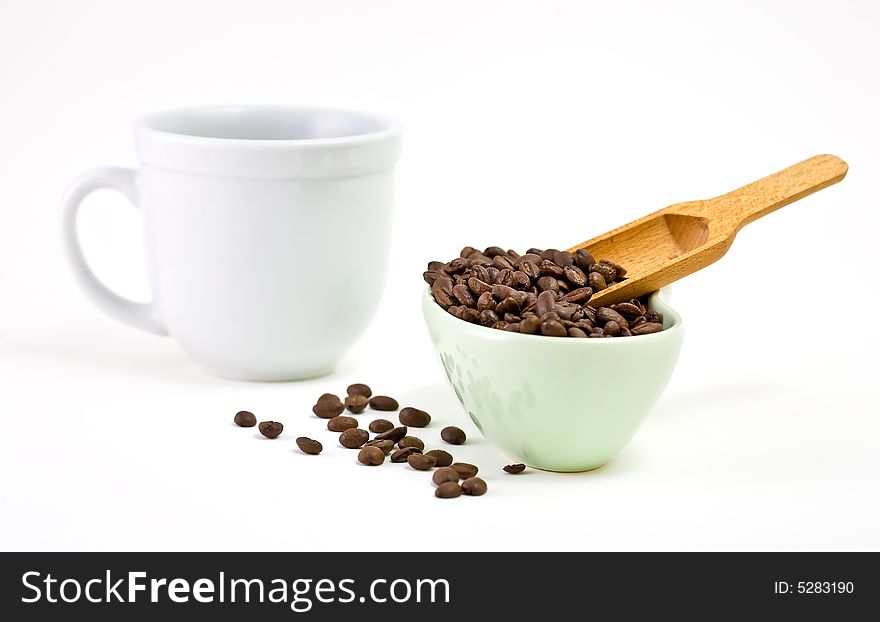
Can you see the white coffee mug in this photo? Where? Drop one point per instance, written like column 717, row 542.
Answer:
column 267, row 233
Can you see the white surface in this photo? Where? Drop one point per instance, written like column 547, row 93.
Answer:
column 567, row 117
column 233, row 230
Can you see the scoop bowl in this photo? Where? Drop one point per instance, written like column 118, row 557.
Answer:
column 555, row 403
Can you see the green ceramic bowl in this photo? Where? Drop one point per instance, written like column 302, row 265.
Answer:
column 558, row 404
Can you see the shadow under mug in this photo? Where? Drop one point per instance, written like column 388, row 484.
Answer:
column 267, row 231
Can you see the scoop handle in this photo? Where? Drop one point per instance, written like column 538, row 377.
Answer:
column 734, row 210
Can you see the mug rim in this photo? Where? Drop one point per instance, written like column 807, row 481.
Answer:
column 390, row 127
column 350, row 155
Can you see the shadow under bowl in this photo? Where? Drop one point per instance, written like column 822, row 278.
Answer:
column 555, row 403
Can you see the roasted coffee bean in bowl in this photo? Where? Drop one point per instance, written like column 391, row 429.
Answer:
column 551, row 401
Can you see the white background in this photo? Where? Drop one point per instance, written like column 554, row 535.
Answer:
column 527, row 123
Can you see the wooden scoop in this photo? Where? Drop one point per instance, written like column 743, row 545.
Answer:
column 680, row 239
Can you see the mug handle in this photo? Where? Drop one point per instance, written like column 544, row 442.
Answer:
column 141, row 315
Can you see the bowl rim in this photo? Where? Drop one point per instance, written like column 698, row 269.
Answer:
column 675, row 329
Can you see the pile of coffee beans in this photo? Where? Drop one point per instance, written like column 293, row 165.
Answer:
column 541, row 292
column 452, row 479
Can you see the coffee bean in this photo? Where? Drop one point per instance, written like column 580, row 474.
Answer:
column 341, row 423
column 474, row 487
column 411, row 441
column 393, row 435
column 444, row 458
column 606, row 269
column 541, row 291
column 309, row 446
column 401, row 455
column 383, row 402
column 647, row 328
column 453, row 435
column 371, row 456
column 467, row 251
column 381, row 425
column 520, row 279
column 547, row 283
column 627, row 310
column 578, row 296
column 444, row 474
column 413, row 417
column 385, row 445
column 488, row 317
column 582, row 259
column 530, row 269
column 421, row 462
column 575, row 276
column 548, row 268
column 514, row 468
column 442, row 291
column 508, row 305
column 552, row 328
column 478, row 286
column 545, row 303
column 271, row 429
column 328, row 406
column 502, row 263
column 596, row 282
column 245, row 419
column 354, row 438
column 530, row 325
column 449, row 490
column 463, row 295
column 464, row 469
column 359, row 389
column 607, row 314
column 458, row 265
column 356, row 403
column 653, row 317
column 500, row 292
column 494, row 251
column 485, row 302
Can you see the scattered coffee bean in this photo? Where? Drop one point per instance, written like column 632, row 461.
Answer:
column 514, row 468
column 354, row 438
column 328, row 406
column 413, row 417
column 444, row 458
column 411, row 441
column 421, row 462
column 464, row 469
column 245, row 419
column 383, row 402
column 381, row 425
column 341, row 423
column 453, row 435
column 385, row 445
column 271, row 429
column 359, row 389
column 356, row 403
column 444, row 474
column 309, row 446
column 371, row 456
column 393, row 435
column 401, row 455
column 539, row 292
column 449, row 490
column 474, row 487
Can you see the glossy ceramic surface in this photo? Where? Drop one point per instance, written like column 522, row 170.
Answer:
column 237, row 203
column 559, row 404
